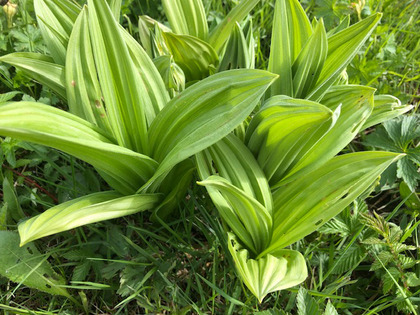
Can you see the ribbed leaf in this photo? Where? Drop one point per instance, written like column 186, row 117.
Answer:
column 125, row 96
column 237, row 54
column 187, row 17
column 205, row 113
column 342, row 47
column 252, row 214
column 123, row 169
column 85, row 210
column 280, row 131
column 27, row 266
column 273, row 272
column 308, row 65
column 385, row 108
column 84, row 94
column 115, row 6
column 354, row 103
column 55, row 20
column 291, row 30
column 220, row 34
column 232, row 160
column 40, row 68
column 195, row 57
column 311, row 200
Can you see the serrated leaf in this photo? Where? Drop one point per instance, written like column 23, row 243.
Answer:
column 85, row 210
column 8, row 96
column 26, row 265
column 408, row 171
column 412, row 279
column 203, row 114
column 383, row 259
column 330, row 309
column 187, row 17
column 306, row 304
column 39, row 68
column 280, row 270
column 413, row 200
column 349, row 259
column 389, row 279
column 195, row 57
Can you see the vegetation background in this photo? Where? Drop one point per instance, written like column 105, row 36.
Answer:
column 364, row 261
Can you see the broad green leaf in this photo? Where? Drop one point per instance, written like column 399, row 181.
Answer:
column 281, row 130
column 342, row 47
column 115, row 6
column 252, row 214
column 14, row 209
column 171, row 73
column 232, row 160
column 354, row 103
column 84, row 94
column 204, row 113
column 220, row 34
column 39, row 68
column 84, row 210
column 124, row 94
column 277, row 271
column 291, row 30
column 55, row 20
column 174, row 187
column 123, row 169
column 187, row 17
column 26, row 265
column 195, row 57
column 308, row 65
column 385, row 108
column 153, row 82
column 305, row 204
column 237, row 53
column 413, row 199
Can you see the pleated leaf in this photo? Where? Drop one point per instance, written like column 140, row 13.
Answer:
column 55, row 20
column 342, row 47
column 385, row 108
column 40, row 68
column 195, row 57
column 220, row 34
column 125, row 97
column 84, row 94
column 308, row 65
column 115, row 6
column 205, row 113
column 123, row 169
column 291, row 30
column 305, row 204
column 277, row 271
column 84, row 210
column 279, row 133
column 187, row 17
column 232, row 160
column 354, row 105
column 27, row 266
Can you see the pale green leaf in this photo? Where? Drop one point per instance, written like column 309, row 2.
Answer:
column 342, row 47
column 305, row 204
column 279, row 132
column 85, row 210
column 26, row 265
column 187, row 17
column 385, row 108
column 195, row 57
column 273, row 272
column 8, row 96
column 39, row 68
column 205, row 113
column 306, row 304
column 123, row 169
column 220, row 34
column 115, row 6
column 55, row 20
column 124, row 94
column 291, row 30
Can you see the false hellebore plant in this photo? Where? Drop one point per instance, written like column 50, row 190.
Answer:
column 273, row 182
